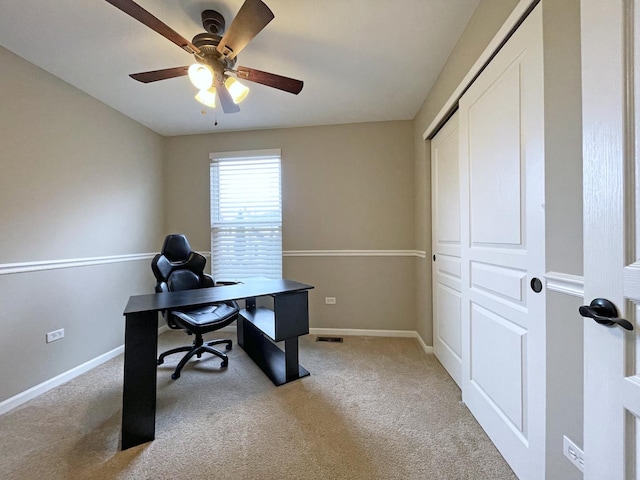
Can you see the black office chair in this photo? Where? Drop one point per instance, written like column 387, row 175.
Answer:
column 177, row 267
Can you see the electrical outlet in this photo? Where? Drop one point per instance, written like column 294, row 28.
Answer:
column 55, row 335
column 330, row 300
column 573, row 453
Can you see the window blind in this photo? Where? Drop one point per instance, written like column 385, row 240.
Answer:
column 246, row 216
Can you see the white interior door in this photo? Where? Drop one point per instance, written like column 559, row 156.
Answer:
column 502, row 213
column 610, row 49
column 445, row 201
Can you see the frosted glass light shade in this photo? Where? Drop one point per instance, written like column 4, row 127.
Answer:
column 201, row 76
column 238, row 92
column 207, row 97
column 236, row 89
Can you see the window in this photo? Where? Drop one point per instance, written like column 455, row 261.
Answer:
column 246, row 215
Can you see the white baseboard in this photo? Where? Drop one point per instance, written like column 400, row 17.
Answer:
column 348, row 332
column 425, row 347
column 372, row 333
column 23, row 397
column 33, row 392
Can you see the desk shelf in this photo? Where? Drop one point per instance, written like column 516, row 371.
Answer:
column 264, row 319
column 279, row 366
column 259, row 328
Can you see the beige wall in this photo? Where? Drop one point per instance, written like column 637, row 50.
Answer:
column 344, row 187
column 78, row 180
column 563, row 218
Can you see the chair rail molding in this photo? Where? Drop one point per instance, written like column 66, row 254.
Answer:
column 565, row 283
column 24, row 267
column 354, row 253
column 41, row 265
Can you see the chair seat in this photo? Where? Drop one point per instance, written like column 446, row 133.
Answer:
column 206, row 318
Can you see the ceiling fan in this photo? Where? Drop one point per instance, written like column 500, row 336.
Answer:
column 215, row 52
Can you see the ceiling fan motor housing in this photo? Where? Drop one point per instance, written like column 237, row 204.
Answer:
column 213, row 22
column 207, row 43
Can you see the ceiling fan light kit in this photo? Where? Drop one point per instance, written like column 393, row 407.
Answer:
column 207, row 97
column 237, row 91
column 215, row 54
column 201, row 76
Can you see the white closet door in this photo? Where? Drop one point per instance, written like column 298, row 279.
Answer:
column 445, row 201
column 502, row 211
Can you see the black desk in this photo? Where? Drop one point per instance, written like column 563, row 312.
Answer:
column 288, row 320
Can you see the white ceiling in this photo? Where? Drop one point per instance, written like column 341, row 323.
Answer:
column 360, row 60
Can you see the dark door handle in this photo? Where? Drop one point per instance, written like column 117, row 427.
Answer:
column 605, row 313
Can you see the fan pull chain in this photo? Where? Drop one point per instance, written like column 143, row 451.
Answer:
column 215, row 115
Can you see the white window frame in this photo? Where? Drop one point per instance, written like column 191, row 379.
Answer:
column 237, row 247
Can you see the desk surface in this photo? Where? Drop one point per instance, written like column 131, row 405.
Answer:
column 204, row 296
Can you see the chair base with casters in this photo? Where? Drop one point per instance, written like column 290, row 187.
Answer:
column 198, row 348
column 199, row 321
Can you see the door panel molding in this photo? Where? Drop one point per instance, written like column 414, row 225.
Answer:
column 507, row 283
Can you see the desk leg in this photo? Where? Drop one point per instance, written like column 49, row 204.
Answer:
column 250, row 303
column 292, row 369
column 139, row 393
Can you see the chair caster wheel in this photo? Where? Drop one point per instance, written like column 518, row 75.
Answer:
column 224, row 364
column 160, row 362
column 175, row 376
column 228, row 347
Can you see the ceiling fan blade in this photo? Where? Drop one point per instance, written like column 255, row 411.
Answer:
column 286, row 84
column 136, row 11
column 253, row 16
column 227, row 103
column 155, row 75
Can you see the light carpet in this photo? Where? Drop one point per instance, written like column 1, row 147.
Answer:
column 373, row 408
